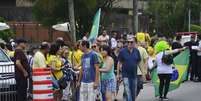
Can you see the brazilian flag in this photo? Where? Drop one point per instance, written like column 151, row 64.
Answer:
column 95, row 26
column 181, row 62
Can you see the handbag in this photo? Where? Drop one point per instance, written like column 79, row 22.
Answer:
column 62, row 82
column 175, row 75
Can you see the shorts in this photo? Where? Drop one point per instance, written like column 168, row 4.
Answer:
column 108, row 85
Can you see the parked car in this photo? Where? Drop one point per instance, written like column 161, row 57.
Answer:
column 7, row 78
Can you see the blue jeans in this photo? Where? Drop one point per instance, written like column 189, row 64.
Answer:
column 130, row 86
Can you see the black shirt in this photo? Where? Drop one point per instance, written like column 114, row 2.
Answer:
column 193, row 53
column 19, row 55
column 176, row 45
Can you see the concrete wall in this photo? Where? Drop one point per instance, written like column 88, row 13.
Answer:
column 128, row 4
column 36, row 33
column 23, row 3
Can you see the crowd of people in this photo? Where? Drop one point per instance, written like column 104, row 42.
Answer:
column 103, row 65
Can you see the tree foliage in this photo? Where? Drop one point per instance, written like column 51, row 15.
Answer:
column 5, row 34
column 196, row 28
column 50, row 12
column 170, row 16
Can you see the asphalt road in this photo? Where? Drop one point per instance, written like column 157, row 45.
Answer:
column 188, row 91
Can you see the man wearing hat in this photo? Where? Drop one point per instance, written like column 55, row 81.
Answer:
column 129, row 58
column 21, row 69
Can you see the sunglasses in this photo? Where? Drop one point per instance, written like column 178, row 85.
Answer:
column 130, row 42
column 93, row 46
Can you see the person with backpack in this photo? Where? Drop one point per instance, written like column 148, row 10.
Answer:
column 164, row 60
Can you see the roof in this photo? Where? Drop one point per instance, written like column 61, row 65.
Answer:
column 187, row 33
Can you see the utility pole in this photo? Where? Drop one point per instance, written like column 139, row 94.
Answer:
column 189, row 20
column 189, row 15
column 72, row 19
column 135, row 16
column 200, row 18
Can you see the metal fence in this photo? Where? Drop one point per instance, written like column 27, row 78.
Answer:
column 7, row 82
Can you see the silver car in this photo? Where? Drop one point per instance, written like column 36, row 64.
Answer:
column 7, row 78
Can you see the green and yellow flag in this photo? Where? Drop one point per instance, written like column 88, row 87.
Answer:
column 181, row 62
column 95, row 27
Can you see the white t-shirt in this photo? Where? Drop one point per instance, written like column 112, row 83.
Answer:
column 39, row 60
column 113, row 43
column 85, row 38
column 199, row 46
column 161, row 67
column 130, row 36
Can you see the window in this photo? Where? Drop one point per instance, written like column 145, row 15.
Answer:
column 3, row 57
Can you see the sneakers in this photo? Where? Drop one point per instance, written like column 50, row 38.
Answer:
column 165, row 99
column 160, row 98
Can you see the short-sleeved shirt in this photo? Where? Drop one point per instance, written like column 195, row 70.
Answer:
column 161, row 67
column 192, row 52
column 144, row 56
column 77, row 55
column 129, row 62
column 39, row 60
column 88, row 67
column 19, row 55
column 199, row 46
column 176, row 45
column 58, row 65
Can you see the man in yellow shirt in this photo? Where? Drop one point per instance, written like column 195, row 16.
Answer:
column 75, row 56
column 39, row 59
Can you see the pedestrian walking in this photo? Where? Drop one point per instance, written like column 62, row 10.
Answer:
column 21, row 69
column 108, row 79
column 89, row 73
column 142, row 68
column 129, row 58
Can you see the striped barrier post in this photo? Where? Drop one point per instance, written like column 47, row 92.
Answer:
column 42, row 85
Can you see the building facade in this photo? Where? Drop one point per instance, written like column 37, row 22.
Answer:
column 16, row 10
column 121, row 18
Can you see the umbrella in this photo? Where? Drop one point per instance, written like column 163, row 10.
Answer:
column 65, row 27
column 3, row 26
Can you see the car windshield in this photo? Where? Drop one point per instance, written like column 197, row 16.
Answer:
column 3, row 57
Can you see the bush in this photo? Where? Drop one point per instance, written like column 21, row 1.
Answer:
column 196, row 28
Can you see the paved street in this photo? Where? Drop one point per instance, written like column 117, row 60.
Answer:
column 188, row 91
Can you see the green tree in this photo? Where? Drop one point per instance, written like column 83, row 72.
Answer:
column 196, row 28
column 5, row 34
column 170, row 16
column 50, row 12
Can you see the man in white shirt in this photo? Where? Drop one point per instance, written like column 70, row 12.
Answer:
column 104, row 38
column 39, row 60
column 199, row 59
column 113, row 40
